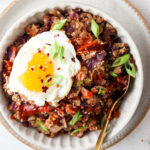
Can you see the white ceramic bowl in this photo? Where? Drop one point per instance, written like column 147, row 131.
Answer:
column 67, row 142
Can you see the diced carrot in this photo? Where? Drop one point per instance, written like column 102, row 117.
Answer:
column 70, row 110
column 43, row 109
column 86, row 93
column 53, row 117
column 69, row 41
column 86, row 46
column 52, row 26
column 34, row 34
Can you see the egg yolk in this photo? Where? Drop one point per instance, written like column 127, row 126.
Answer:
column 39, row 69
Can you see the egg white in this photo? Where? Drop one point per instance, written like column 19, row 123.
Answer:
column 68, row 67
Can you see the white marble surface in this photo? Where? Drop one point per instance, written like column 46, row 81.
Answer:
column 139, row 139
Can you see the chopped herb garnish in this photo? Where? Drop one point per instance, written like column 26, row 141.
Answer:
column 121, row 60
column 42, row 126
column 61, row 53
column 131, row 71
column 75, row 118
column 102, row 91
column 58, row 78
column 95, row 28
column 59, row 25
column 77, row 130
column 54, row 50
column 113, row 74
column 103, row 121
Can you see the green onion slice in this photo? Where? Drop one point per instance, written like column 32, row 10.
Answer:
column 59, row 25
column 75, row 118
column 61, row 53
column 103, row 121
column 77, row 130
column 42, row 126
column 121, row 60
column 95, row 28
column 131, row 71
column 113, row 74
column 102, row 91
column 54, row 50
column 58, row 78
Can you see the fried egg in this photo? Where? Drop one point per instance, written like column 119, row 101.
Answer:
column 39, row 76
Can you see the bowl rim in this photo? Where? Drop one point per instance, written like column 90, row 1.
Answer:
column 40, row 11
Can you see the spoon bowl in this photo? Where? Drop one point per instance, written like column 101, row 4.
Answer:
column 102, row 134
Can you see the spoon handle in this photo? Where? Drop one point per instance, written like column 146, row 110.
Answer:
column 102, row 134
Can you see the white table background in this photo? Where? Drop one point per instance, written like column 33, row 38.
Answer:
column 139, row 139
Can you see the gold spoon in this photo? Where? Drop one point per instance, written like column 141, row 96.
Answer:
column 102, row 134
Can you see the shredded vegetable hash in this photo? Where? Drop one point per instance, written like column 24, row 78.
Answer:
column 106, row 64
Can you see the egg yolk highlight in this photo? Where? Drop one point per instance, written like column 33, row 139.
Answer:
column 39, row 69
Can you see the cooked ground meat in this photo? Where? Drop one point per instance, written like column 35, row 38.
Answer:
column 93, row 91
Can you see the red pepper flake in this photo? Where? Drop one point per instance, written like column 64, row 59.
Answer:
column 44, row 88
column 57, row 85
column 58, row 68
column 57, row 35
column 73, row 59
column 32, row 68
column 48, row 44
column 48, row 54
column 47, row 75
column 39, row 50
column 41, row 80
column 40, row 67
column 63, row 104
